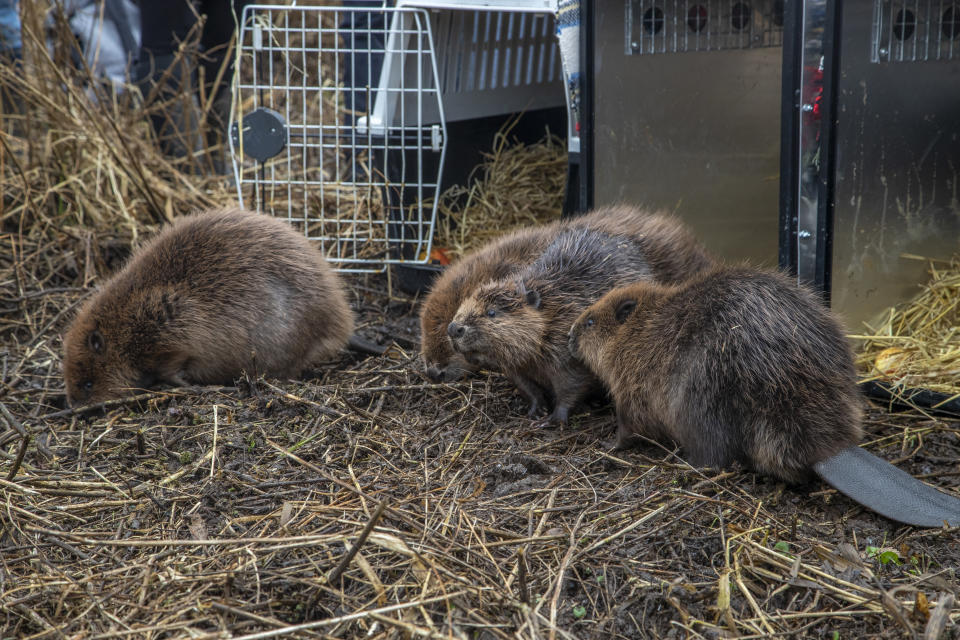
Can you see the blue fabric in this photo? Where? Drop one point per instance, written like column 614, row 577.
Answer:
column 9, row 26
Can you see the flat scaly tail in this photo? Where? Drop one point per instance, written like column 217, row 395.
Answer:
column 887, row 490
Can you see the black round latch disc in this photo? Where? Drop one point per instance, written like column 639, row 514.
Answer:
column 264, row 134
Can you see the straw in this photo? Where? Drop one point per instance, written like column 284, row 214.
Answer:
column 516, row 185
column 917, row 344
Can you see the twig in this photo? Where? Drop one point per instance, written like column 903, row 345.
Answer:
column 338, row 570
column 939, row 617
column 560, row 573
column 13, row 486
column 101, row 405
column 289, row 396
column 522, row 577
column 12, row 421
column 66, row 546
column 135, row 398
column 347, row 618
column 19, row 460
column 45, row 292
column 179, row 542
column 216, row 425
column 219, row 606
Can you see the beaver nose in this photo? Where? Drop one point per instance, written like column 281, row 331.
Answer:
column 456, row 330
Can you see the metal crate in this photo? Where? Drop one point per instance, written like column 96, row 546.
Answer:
column 915, row 30
column 675, row 26
column 350, row 158
column 688, row 121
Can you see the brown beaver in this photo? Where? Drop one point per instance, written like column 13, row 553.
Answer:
column 493, row 261
column 668, row 245
column 211, row 296
column 671, row 250
column 521, row 322
column 734, row 365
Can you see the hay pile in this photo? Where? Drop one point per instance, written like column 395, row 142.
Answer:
column 78, row 158
column 917, row 344
column 518, row 185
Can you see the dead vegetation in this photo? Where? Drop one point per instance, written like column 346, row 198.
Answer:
column 363, row 501
column 917, row 344
column 517, row 185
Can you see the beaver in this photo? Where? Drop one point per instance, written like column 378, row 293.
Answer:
column 211, row 296
column 521, row 322
column 746, row 365
column 669, row 247
column 671, row 250
column 505, row 255
column 735, row 365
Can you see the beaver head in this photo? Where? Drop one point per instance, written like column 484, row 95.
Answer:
column 599, row 322
column 500, row 324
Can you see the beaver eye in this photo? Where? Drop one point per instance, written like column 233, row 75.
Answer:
column 88, row 385
column 589, row 322
column 492, row 313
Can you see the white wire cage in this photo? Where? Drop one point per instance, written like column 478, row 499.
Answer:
column 340, row 121
column 338, row 128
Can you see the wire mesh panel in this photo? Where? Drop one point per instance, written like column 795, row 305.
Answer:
column 673, row 26
column 915, row 31
column 338, row 128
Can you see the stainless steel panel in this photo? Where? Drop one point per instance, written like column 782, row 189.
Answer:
column 898, row 161
column 696, row 133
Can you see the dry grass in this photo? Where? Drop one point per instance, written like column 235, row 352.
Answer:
column 363, row 501
column 221, row 512
column 78, row 158
column 518, row 185
column 917, row 344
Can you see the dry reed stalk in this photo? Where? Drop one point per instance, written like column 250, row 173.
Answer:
column 83, row 156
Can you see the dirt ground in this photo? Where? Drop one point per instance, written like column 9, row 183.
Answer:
column 228, row 512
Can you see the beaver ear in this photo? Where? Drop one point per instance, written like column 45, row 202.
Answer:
column 532, row 298
column 95, row 341
column 624, row 309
